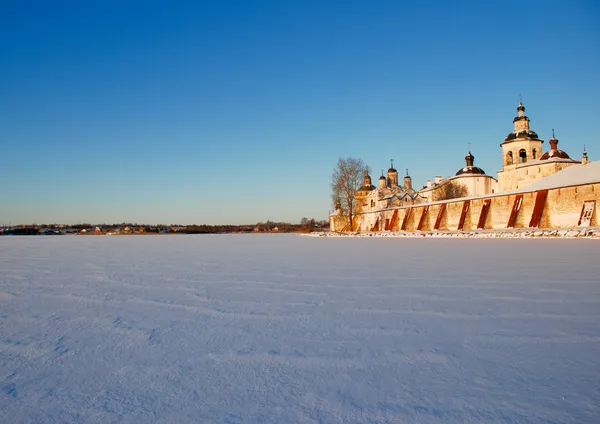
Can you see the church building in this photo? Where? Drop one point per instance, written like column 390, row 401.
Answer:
column 533, row 189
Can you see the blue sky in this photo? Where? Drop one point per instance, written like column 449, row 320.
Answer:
column 237, row 111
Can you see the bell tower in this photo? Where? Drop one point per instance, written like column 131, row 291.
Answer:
column 519, row 147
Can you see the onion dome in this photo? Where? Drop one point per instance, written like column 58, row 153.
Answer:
column 554, row 151
column 367, row 186
column 382, row 178
column 469, row 159
column 469, row 168
column 524, row 134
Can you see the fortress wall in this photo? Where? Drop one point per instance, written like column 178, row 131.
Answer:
column 562, row 210
column 500, row 208
column 429, row 221
column 524, row 215
column 337, row 222
column 451, row 216
column 563, row 206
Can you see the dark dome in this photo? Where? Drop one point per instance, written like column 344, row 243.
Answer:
column 367, row 188
column 555, row 154
column 382, row 178
column 522, row 134
column 520, row 118
column 392, row 170
column 470, row 170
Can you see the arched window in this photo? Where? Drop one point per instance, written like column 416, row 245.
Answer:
column 522, row 156
column 534, row 153
column 509, row 158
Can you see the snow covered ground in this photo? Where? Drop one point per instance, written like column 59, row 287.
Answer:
column 288, row 329
column 577, row 232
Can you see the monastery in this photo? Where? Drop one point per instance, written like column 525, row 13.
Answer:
column 534, row 189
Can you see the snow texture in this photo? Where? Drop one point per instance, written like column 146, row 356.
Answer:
column 288, row 329
column 577, row 232
column 571, row 176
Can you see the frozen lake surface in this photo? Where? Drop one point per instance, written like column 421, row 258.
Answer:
column 291, row 329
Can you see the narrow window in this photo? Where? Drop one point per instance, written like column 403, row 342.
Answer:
column 534, row 153
column 522, row 156
column 509, row 158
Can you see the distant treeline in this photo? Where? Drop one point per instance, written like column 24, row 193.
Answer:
column 305, row 225
column 21, row 231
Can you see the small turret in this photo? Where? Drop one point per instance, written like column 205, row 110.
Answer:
column 367, row 179
column 553, row 141
column 584, row 158
column 382, row 181
column 392, row 175
column 407, row 181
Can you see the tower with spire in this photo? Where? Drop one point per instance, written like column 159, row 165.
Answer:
column 367, row 186
column 520, row 146
column 584, row 158
column 523, row 159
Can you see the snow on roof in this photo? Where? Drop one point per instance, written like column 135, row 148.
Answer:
column 571, row 176
column 534, row 162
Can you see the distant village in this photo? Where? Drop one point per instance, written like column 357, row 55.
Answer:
column 305, row 225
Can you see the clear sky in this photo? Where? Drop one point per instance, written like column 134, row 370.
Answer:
column 237, row 111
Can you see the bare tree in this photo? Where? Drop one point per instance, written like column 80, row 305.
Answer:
column 346, row 179
column 450, row 190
